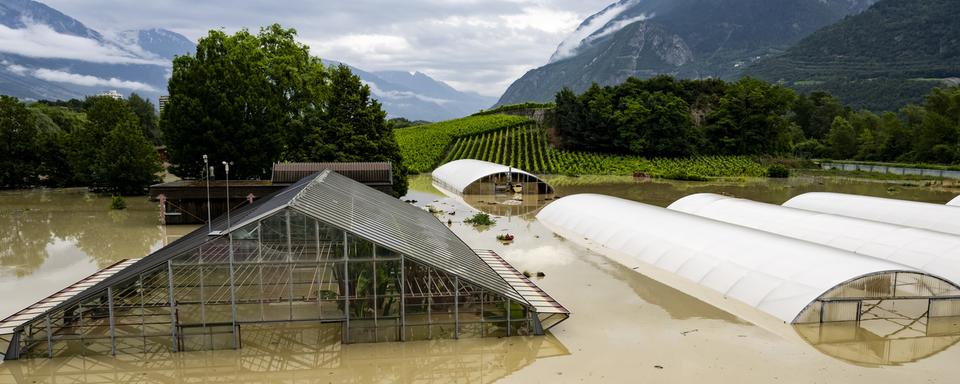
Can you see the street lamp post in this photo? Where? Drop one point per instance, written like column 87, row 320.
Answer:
column 206, row 172
column 226, row 167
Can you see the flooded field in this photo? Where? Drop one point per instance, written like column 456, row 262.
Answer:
column 625, row 327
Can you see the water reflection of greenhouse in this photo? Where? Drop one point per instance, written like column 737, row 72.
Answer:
column 325, row 250
column 306, row 350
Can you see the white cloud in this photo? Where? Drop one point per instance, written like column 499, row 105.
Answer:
column 570, row 44
column 543, row 19
column 17, row 69
column 89, row 81
column 371, row 45
column 615, row 26
column 475, row 45
column 401, row 95
column 41, row 41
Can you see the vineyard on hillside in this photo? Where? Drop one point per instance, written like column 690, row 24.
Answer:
column 525, row 146
column 424, row 146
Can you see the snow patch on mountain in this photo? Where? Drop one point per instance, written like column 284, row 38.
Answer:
column 591, row 25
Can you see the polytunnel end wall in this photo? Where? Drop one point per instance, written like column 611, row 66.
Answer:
column 852, row 299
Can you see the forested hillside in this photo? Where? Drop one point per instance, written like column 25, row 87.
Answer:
column 881, row 59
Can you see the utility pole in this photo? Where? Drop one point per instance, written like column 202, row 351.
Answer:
column 226, row 166
column 206, row 172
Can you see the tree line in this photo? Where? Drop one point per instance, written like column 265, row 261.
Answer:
column 256, row 99
column 665, row 117
column 250, row 99
column 99, row 142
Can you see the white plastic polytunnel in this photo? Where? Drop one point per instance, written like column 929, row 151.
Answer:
column 954, row 202
column 792, row 280
column 935, row 217
column 936, row 253
column 478, row 177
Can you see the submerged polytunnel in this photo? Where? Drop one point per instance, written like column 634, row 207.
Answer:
column 932, row 252
column 955, row 202
column 935, row 217
column 476, row 177
column 791, row 280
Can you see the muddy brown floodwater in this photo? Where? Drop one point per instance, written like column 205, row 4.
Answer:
column 625, row 327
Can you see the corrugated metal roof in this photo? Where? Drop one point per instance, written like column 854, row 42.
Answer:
column 538, row 299
column 15, row 320
column 364, row 172
column 350, row 205
column 400, row 226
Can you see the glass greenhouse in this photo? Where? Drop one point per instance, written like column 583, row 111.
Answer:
column 325, row 250
column 476, row 177
column 935, row 217
column 791, row 280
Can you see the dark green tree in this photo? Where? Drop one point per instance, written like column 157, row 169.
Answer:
column 938, row 128
column 815, row 113
column 656, row 124
column 85, row 141
column 126, row 163
column 895, row 138
column 19, row 144
column 350, row 126
column 842, row 139
column 147, row 114
column 109, row 152
column 751, row 119
column 240, row 98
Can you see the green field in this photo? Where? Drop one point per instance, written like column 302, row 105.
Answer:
column 520, row 143
column 424, row 146
column 526, row 147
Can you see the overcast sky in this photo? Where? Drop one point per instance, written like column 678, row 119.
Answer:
column 476, row 45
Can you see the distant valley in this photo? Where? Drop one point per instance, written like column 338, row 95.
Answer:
column 46, row 56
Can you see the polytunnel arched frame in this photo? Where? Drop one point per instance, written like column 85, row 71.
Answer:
column 476, row 177
column 776, row 275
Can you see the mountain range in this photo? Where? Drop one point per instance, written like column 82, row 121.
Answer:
column 896, row 51
column 45, row 54
column 682, row 38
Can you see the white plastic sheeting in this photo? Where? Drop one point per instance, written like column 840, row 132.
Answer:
column 935, row 253
column 935, row 217
column 457, row 175
column 774, row 274
column 955, row 202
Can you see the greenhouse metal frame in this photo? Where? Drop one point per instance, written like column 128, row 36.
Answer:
column 325, row 250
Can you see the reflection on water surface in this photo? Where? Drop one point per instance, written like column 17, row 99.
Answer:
column 305, row 353
column 623, row 323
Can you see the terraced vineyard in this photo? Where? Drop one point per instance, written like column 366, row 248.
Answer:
column 424, row 146
column 525, row 146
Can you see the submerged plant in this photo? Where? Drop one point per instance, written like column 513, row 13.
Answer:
column 117, row 202
column 778, row 171
column 480, row 219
